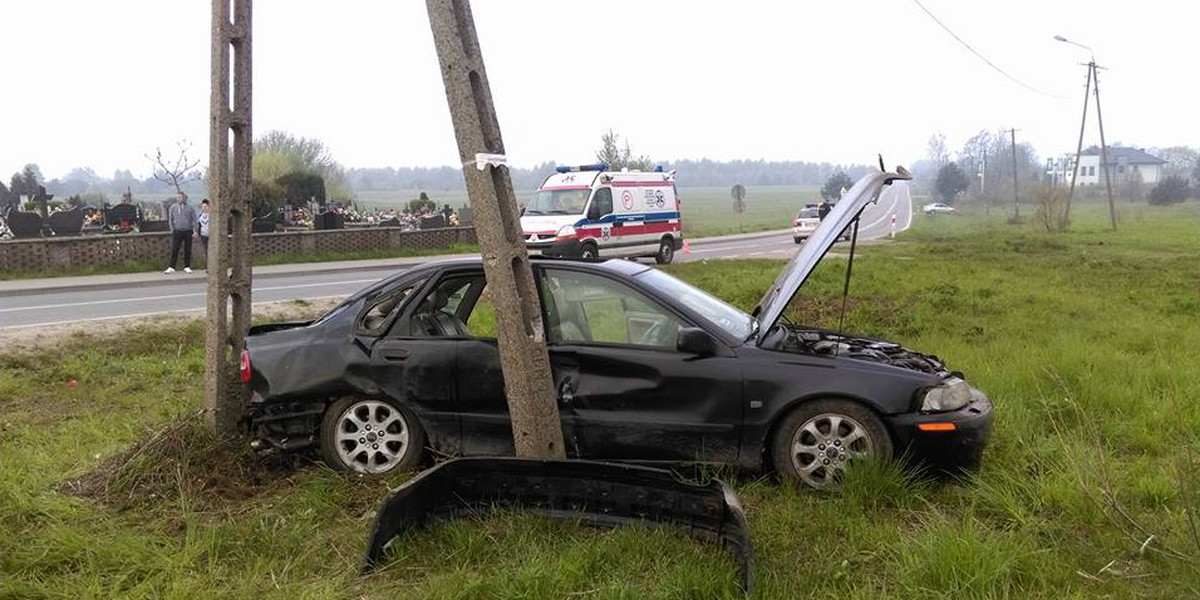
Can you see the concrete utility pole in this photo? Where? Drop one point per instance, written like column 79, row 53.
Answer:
column 1093, row 86
column 1087, row 92
column 532, row 401
column 1016, row 197
column 1112, row 208
column 229, row 196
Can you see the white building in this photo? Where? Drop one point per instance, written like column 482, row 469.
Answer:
column 1124, row 165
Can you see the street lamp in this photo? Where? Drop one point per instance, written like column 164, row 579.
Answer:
column 1088, row 48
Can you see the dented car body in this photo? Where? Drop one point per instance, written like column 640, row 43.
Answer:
column 648, row 369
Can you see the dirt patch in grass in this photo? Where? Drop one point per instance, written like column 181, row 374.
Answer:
column 182, row 464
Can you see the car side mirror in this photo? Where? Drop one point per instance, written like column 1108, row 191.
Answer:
column 693, row 340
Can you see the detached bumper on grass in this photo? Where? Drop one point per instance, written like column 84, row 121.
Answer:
column 595, row 493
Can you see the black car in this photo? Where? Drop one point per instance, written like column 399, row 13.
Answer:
column 647, row 367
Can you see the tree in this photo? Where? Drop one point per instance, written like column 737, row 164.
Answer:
column 612, row 154
column 832, row 191
column 282, row 153
column 937, row 149
column 422, row 201
column 27, row 181
column 1179, row 160
column 1196, row 172
column 1171, row 190
column 265, row 196
column 175, row 171
column 7, row 198
column 951, row 182
column 300, row 186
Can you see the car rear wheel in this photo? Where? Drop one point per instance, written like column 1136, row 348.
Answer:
column 372, row 436
column 816, row 442
column 589, row 251
column 798, row 240
column 666, row 252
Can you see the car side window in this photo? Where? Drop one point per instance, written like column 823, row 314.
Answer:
column 373, row 321
column 458, row 306
column 587, row 308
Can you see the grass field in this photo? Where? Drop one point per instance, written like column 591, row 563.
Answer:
column 1086, row 341
column 706, row 211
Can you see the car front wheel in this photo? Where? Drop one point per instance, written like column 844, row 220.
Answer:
column 372, row 436
column 816, row 442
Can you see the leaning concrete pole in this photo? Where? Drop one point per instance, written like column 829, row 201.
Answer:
column 532, row 402
column 229, row 196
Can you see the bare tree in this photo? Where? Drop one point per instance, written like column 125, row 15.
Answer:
column 175, row 172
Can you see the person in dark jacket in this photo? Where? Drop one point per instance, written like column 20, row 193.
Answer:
column 181, row 218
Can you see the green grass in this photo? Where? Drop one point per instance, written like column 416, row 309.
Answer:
column 1086, row 342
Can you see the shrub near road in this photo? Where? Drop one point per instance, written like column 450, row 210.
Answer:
column 1086, row 342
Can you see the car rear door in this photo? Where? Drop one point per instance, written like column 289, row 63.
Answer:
column 414, row 369
column 625, row 391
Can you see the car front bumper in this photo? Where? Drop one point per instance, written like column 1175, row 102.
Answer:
column 947, row 441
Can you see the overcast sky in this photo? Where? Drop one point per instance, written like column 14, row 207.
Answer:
column 101, row 84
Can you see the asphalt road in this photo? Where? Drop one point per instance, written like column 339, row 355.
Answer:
column 186, row 293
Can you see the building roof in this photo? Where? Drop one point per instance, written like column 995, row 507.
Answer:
column 1126, row 155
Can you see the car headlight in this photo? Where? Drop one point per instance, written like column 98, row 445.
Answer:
column 567, row 231
column 953, row 394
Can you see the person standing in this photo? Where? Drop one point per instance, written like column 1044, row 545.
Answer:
column 181, row 218
column 202, row 225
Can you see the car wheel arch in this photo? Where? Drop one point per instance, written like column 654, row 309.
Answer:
column 412, row 413
column 777, row 420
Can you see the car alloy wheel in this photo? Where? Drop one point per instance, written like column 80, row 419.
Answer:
column 589, row 252
column 818, row 441
column 825, row 445
column 369, row 436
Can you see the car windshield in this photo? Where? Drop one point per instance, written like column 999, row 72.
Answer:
column 558, row 202
column 810, row 213
column 735, row 322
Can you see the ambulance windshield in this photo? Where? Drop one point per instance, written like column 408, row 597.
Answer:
column 558, row 202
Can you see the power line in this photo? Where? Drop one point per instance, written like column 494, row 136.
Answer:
column 982, row 57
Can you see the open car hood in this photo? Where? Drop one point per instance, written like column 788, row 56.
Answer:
column 865, row 191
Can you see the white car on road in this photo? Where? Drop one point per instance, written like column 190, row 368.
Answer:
column 937, row 208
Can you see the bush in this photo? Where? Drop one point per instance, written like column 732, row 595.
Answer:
column 1051, row 211
column 265, row 196
column 1171, row 190
column 300, row 187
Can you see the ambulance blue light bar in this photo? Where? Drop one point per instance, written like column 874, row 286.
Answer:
column 577, row 169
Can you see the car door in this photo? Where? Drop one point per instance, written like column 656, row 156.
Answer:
column 413, row 368
column 625, row 391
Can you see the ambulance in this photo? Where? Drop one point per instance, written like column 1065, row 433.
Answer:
column 591, row 211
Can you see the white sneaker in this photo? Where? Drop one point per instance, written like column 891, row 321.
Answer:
column 169, row 271
column 187, row 270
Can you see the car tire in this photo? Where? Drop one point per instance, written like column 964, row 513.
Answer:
column 666, row 252
column 589, row 251
column 798, row 240
column 352, row 442
column 817, row 440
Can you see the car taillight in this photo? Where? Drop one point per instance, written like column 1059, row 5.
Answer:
column 245, row 366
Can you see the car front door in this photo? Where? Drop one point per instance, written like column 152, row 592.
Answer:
column 625, row 391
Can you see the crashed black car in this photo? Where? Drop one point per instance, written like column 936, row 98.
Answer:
column 647, row 367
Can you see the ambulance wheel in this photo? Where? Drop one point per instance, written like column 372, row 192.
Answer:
column 666, row 252
column 589, row 251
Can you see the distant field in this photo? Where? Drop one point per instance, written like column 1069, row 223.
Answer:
column 707, row 211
